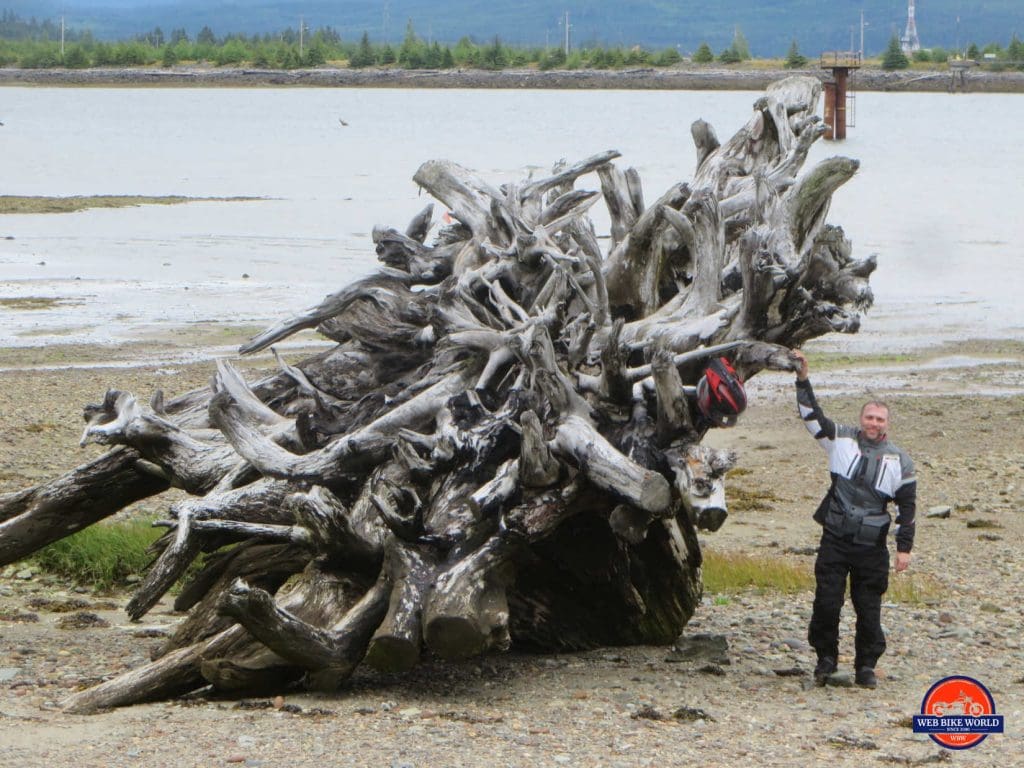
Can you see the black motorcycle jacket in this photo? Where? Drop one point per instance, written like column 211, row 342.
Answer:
column 866, row 476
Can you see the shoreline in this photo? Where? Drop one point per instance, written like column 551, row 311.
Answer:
column 643, row 78
column 978, row 367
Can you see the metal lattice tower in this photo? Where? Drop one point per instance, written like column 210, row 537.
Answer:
column 910, row 42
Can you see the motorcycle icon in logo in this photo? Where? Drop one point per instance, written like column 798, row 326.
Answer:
column 962, row 705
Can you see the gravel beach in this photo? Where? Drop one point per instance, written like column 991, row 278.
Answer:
column 695, row 78
column 745, row 697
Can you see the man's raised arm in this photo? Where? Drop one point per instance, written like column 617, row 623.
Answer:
column 820, row 427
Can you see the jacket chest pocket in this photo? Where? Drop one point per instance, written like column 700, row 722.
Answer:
column 889, row 475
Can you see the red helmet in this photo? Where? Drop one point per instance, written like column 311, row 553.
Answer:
column 720, row 394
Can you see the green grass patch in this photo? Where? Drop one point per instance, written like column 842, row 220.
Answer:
column 981, row 522
column 826, row 360
column 102, row 555
column 35, row 302
column 914, row 589
column 740, row 499
column 979, row 348
column 38, row 204
column 730, row 573
column 733, row 572
column 39, row 427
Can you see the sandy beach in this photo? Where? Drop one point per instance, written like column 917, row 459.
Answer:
column 611, row 706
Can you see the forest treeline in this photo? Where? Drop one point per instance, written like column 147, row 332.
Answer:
column 31, row 44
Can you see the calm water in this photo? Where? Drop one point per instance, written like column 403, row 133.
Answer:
column 939, row 195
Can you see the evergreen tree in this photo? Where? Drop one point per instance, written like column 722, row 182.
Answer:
column 493, row 56
column 206, row 37
column 730, row 56
column 363, row 56
column 232, row 52
column 973, row 52
column 433, row 56
column 170, row 56
column 668, row 57
column 261, row 57
column 894, row 57
column 1015, row 52
column 553, row 59
column 289, row 58
column 465, row 52
column 795, row 59
column 703, row 55
column 638, row 55
column 740, row 45
column 315, row 55
column 411, row 54
column 76, row 58
column 103, row 55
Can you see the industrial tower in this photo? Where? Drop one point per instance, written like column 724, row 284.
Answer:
column 909, row 42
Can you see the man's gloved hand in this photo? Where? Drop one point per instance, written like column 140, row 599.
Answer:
column 801, row 373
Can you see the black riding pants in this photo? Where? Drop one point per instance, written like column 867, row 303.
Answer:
column 868, row 571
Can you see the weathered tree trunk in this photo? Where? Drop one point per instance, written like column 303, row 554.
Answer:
column 503, row 446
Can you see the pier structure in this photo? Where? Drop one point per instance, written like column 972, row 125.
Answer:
column 839, row 98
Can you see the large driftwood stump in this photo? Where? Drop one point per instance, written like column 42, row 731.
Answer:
column 500, row 449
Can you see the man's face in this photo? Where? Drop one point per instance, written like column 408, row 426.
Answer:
column 874, row 421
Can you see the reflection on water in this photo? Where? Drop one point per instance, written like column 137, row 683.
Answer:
column 935, row 196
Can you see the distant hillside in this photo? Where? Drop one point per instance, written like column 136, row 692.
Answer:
column 768, row 25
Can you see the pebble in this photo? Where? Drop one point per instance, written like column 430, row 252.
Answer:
column 24, row 575
column 9, row 673
column 940, row 512
column 840, row 680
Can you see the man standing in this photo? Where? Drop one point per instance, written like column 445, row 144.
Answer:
column 867, row 473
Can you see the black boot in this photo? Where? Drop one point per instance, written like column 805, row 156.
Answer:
column 826, row 666
column 866, row 677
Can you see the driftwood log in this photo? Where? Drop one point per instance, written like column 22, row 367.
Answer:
column 500, row 448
